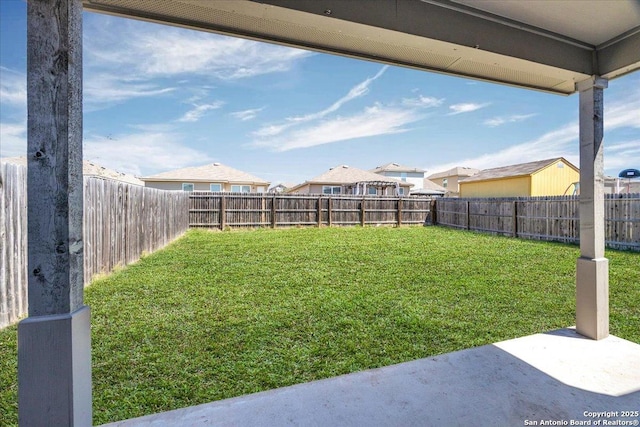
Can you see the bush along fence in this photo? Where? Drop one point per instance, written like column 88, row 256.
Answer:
column 223, row 210
column 542, row 218
column 121, row 222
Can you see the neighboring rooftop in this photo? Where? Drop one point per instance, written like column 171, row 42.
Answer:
column 214, row 172
column 89, row 168
column 431, row 188
column 395, row 167
column 457, row 171
column 344, row 174
column 521, row 169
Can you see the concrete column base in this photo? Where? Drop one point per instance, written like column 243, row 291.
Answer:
column 54, row 370
column 592, row 298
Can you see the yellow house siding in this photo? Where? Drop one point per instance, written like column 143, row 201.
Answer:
column 504, row 187
column 553, row 180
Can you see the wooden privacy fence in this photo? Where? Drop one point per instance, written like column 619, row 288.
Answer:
column 542, row 218
column 13, row 243
column 121, row 222
column 221, row 210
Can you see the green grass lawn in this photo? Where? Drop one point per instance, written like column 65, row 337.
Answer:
column 221, row 314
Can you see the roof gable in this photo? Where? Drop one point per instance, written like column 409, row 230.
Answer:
column 457, row 171
column 395, row 167
column 214, row 172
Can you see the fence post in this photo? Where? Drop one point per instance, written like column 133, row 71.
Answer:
column 329, row 211
column 319, row 211
column 362, row 213
column 434, row 212
column 223, row 209
column 515, row 218
column 273, row 212
column 468, row 215
column 399, row 211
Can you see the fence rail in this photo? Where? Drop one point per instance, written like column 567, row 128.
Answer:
column 543, row 218
column 121, row 222
column 222, row 210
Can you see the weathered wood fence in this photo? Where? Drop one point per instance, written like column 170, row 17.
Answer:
column 542, row 218
column 121, row 222
column 222, row 210
column 13, row 243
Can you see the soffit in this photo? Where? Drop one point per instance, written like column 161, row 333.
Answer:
column 508, row 42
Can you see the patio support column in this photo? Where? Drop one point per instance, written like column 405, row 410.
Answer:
column 592, row 272
column 54, row 342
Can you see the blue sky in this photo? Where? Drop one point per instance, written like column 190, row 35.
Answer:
column 158, row 98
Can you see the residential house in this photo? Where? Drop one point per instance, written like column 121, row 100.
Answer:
column 429, row 188
column 349, row 180
column 616, row 185
column 280, row 188
column 403, row 173
column 89, row 169
column 211, row 177
column 450, row 179
column 551, row 177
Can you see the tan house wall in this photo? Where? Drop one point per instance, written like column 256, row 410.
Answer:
column 197, row 186
column 453, row 182
column 317, row 189
column 503, row 187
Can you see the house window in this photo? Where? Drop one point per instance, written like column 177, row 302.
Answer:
column 444, row 182
column 187, row 186
column 400, row 191
column 403, row 176
column 373, row 191
column 215, row 187
column 329, row 189
column 241, row 189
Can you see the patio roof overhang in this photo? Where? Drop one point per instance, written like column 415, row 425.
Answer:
column 537, row 44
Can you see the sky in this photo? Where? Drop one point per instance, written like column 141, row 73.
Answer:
column 158, row 98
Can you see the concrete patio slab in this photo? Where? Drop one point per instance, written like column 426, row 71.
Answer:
column 555, row 378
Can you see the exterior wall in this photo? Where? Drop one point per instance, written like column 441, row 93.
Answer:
column 453, row 182
column 505, row 187
column 415, row 178
column 554, row 180
column 317, row 189
column 197, row 186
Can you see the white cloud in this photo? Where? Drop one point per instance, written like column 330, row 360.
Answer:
column 563, row 142
column 375, row 120
column 357, row 91
column 199, row 111
column 104, row 88
column 142, row 153
column 501, row 120
column 246, row 114
column 14, row 139
column 151, row 50
column 13, row 88
column 422, row 102
column 465, row 108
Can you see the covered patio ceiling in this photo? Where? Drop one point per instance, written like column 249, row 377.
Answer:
column 548, row 45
